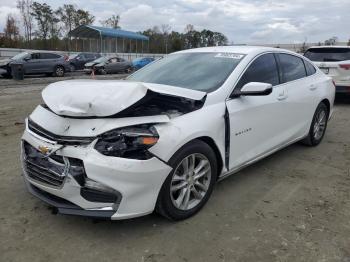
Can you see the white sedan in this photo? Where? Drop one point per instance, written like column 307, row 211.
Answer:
column 162, row 138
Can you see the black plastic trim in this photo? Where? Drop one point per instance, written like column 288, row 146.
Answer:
column 65, row 207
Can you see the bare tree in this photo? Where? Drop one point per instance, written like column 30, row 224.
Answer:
column 25, row 9
column 165, row 30
column 11, row 30
column 331, row 41
column 112, row 22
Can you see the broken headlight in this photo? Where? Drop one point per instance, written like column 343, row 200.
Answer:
column 129, row 142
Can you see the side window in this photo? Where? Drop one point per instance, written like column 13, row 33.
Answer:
column 49, row 56
column 35, row 56
column 263, row 69
column 310, row 69
column 292, row 67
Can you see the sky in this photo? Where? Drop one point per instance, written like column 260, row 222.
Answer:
column 242, row 21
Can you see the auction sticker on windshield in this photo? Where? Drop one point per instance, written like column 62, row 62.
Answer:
column 229, row 55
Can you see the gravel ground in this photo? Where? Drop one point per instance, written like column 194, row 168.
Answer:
column 291, row 206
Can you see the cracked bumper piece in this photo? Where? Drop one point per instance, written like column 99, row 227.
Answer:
column 65, row 207
column 129, row 187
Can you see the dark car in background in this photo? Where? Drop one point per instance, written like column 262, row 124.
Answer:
column 37, row 63
column 109, row 65
column 141, row 62
column 77, row 61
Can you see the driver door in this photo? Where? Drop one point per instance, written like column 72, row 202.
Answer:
column 257, row 123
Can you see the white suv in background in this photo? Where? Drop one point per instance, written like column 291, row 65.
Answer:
column 334, row 61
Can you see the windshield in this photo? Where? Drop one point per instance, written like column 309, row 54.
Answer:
column 328, row 54
column 73, row 56
column 101, row 60
column 198, row 71
column 20, row 56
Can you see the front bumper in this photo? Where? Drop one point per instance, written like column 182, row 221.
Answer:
column 137, row 181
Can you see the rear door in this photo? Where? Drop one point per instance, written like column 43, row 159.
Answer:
column 48, row 62
column 257, row 123
column 32, row 65
column 301, row 87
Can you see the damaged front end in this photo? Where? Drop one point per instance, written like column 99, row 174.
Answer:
column 96, row 137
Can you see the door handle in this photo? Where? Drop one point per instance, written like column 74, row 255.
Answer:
column 282, row 96
column 313, row 87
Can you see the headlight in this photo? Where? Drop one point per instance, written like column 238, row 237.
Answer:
column 129, row 142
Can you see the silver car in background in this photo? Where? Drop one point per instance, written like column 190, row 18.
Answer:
column 37, row 63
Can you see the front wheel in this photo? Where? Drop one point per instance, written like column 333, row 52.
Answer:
column 318, row 126
column 190, row 184
column 128, row 70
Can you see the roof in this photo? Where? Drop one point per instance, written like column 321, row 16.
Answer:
column 329, row 46
column 235, row 49
column 90, row 31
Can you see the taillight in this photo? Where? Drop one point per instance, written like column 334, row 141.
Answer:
column 345, row 66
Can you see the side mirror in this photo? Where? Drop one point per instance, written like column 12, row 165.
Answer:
column 26, row 58
column 256, row 89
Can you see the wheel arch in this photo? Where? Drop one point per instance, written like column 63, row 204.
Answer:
column 328, row 104
column 211, row 143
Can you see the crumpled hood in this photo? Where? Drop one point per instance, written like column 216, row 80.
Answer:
column 102, row 98
column 5, row 61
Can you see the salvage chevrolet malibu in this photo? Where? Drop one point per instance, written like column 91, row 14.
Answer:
column 163, row 137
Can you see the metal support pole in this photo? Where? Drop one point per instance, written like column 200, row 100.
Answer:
column 116, row 44
column 101, row 43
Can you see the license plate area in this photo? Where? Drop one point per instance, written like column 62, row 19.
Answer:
column 325, row 70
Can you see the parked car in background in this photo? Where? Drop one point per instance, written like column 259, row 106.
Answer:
column 77, row 61
column 334, row 61
column 109, row 65
column 38, row 63
column 162, row 138
column 141, row 62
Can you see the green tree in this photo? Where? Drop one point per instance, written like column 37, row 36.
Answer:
column 44, row 17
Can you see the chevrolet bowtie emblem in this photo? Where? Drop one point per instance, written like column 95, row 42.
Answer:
column 44, row 149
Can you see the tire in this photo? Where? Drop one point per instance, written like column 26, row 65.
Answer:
column 128, row 70
column 59, row 71
column 318, row 126
column 72, row 67
column 171, row 202
column 103, row 71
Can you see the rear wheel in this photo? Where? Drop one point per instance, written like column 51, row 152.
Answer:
column 318, row 126
column 59, row 71
column 190, row 184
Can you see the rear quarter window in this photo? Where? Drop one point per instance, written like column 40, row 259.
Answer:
column 292, row 67
column 328, row 54
column 310, row 69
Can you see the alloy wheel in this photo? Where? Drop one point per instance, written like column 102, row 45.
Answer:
column 190, row 181
column 59, row 71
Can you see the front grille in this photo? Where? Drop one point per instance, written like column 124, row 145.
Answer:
column 63, row 140
column 49, row 170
